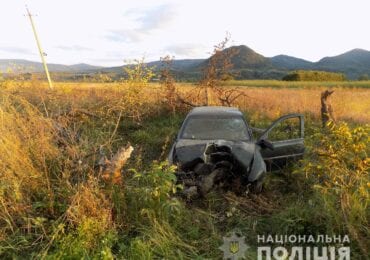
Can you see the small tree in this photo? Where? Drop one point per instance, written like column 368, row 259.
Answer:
column 218, row 68
column 168, row 82
column 137, row 76
column 138, row 73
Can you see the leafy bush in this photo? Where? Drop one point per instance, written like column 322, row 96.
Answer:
column 149, row 194
column 337, row 165
column 311, row 75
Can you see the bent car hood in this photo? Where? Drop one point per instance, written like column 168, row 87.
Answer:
column 187, row 150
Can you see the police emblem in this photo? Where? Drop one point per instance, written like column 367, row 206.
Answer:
column 234, row 247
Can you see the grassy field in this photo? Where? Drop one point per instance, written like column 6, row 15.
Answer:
column 55, row 203
column 348, row 104
column 352, row 105
column 298, row 84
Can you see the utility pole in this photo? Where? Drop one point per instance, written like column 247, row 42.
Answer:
column 42, row 54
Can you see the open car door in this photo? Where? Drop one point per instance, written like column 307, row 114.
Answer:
column 285, row 139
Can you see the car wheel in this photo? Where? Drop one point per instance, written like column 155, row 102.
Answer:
column 256, row 186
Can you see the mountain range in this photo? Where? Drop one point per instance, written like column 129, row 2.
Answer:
column 247, row 64
column 18, row 65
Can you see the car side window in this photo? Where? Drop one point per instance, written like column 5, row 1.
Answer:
column 285, row 130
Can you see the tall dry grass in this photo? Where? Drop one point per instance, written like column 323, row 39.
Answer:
column 41, row 189
column 349, row 104
column 26, row 146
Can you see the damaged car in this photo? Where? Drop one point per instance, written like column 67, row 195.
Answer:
column 216, row 147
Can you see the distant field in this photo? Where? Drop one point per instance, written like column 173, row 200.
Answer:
column 268, row 98
column 256, row 83
column 297, row 84
column 348, row 104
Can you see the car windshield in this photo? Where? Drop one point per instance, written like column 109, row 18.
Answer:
column 230, row 128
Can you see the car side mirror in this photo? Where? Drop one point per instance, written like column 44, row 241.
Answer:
column 265, row 144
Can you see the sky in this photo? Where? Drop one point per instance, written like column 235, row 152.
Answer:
column 114, row 32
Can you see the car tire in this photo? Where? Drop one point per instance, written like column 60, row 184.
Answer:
column 256, row 186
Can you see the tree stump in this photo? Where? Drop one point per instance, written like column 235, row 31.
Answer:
column 110, row 170
column 326, row 108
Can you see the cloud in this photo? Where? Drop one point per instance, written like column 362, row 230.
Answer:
column 157, row 18
column 147, row 20
column 73, row 48
column 187, row 49
column 17, row 50
column 125, row 35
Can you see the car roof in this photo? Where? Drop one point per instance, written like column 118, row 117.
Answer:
column 215, row 111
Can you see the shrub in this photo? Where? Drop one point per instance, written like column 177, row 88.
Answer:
column 337, row 164
column 311, row 75
column 137, row 77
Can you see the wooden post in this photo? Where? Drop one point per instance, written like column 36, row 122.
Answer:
column 326, row 108
column 42, row 54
